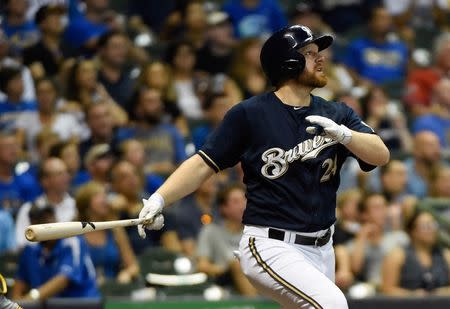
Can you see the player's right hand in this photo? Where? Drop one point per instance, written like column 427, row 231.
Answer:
column 152, row 211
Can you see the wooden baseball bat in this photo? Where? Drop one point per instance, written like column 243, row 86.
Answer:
column 57, row 230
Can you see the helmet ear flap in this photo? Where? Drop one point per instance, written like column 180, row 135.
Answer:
column 293, row 67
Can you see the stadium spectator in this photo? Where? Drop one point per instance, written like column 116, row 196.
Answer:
column 11, row 84
column 216, row 55
column 344, row 277
column 181, row 57
column 127, row 183
column 344, row 16
column 426, row 160
column 421, row 81
column 413, row 15
column 20, row 31
column 394, row 178
column 84, row 29
column 193, row 24
column 423, row 267
column 7, row 61
column 372, row 243
column 44, row 57
column 217, row 241
column 157, row 75
column 119, row 80
column 385, row 119
column 163, row 144
column 55, row 268
column 195, row 211
column 101, row 126
column 347, row 224
column 69, row 153
column 440, row 183
column 98, row 161
column 306, row 14
column 110, row 250
column 437, row 120
column 375, row 58
column 16, row 187
column 214, row 108
column 255, row 18
column 7, row 232
column 133, row 151
column 54, row 179
column 246, row 68
column 31, row 123
column 83, row 89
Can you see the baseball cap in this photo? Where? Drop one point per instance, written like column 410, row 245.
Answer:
column 46, row 10
column 97, row 152
column 218, row 17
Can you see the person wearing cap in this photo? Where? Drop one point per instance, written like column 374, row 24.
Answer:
column 55, row 268
column 215, row 56
column 46, row 55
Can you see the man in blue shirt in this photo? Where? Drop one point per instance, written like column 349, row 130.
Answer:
column 255, row 18
column 16, row 187
column 437, row 121
column 11, row 83
column 57, row 268
column 20, row 31
column 163, row 144
column 375, row 57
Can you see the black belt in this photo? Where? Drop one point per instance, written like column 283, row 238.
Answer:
column 301, row 239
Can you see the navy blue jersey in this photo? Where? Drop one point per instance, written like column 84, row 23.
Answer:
column 291, row 176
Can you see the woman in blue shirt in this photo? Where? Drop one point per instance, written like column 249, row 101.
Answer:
column 110, row 250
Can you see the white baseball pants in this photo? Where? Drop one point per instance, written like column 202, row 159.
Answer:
column 295, row 276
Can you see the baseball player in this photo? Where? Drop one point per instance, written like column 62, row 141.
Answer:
column 291, row 145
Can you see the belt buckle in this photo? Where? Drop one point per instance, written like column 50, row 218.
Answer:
column 315, row 242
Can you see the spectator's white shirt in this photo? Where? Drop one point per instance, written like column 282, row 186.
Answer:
column 29, row 93
column 64, row 211
column 187, row 100
column 65, row 125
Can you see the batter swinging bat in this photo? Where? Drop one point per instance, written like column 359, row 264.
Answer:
column 49, row 231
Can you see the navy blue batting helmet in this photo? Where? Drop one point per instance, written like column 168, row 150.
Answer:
column 280, row 58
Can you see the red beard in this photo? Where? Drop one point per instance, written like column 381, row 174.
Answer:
column 313, row 79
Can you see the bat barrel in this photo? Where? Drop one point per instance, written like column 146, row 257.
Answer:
column 49, row 231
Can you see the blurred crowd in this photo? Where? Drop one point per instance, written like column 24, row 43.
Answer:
column 100, row 100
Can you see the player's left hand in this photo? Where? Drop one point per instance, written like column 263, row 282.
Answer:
column 331, row 129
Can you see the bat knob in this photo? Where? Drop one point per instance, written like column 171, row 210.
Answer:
column 30, row 235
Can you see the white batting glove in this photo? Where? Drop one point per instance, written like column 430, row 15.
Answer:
column 331, row 129
column 152, row 209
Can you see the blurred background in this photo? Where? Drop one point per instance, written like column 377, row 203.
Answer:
column 100, row 100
